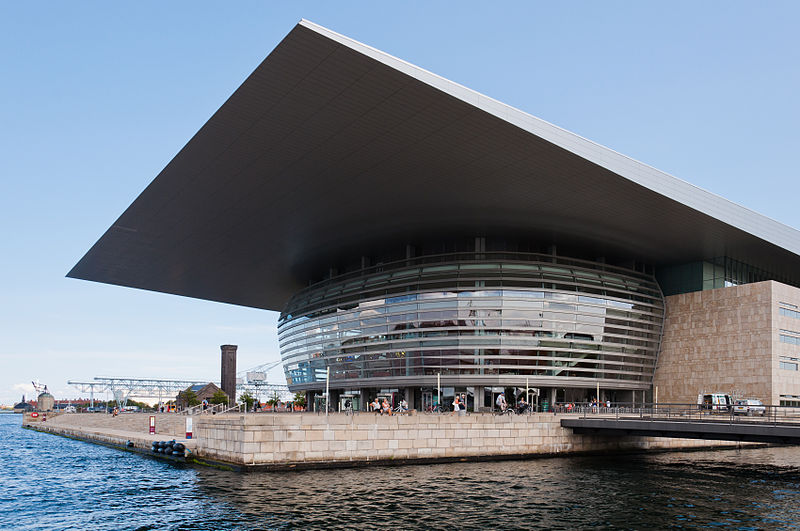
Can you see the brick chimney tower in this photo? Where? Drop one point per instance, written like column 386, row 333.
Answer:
column 228, row 376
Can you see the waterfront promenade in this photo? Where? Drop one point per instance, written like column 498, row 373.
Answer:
column 309, row 440
column 113, row 431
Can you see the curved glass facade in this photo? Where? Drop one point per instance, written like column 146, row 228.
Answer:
column 475, row 319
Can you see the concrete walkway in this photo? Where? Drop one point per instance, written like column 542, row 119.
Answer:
column 113, row 431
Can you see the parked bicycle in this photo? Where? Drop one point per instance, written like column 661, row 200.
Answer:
column 523, row 410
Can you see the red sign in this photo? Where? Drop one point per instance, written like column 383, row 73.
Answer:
column 152, row 425
column 34, row 414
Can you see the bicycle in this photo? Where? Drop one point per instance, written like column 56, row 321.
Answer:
column 522, row 410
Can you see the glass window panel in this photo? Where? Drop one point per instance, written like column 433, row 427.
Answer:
column 521, row 267
column 405, row 273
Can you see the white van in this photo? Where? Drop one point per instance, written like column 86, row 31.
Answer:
column 715, row 401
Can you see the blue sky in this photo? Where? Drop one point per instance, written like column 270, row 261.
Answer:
column 97, row 97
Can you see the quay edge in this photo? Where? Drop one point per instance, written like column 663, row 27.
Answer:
column 295, row 441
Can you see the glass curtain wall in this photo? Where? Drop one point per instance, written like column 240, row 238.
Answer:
column 503, row 319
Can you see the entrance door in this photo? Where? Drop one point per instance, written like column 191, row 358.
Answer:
column 319, row 403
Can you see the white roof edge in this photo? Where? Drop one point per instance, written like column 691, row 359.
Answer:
column 651, row 178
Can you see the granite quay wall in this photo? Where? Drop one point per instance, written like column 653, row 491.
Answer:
column 315, row 440
column 290, row 440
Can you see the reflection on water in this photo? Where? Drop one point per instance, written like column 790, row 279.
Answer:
column 746, row 489
column 83, row 486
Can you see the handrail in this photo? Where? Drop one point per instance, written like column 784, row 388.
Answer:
column 236, row 407
column 677, row 412
column 198, row 409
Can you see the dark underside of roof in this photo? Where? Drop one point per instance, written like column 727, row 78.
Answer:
column 324, row 152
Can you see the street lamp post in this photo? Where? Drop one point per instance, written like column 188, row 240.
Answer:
column 439, row 390
column 327, row 389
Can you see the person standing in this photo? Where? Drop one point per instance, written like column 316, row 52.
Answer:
column 522, row 406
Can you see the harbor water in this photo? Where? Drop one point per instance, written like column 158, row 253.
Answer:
column 51, row 482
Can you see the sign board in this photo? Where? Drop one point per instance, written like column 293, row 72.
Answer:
column 256, row 377
column 152, row 425
column 188, row 427
column 34, row 414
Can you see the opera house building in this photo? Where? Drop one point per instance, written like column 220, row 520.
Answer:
column 416, row 235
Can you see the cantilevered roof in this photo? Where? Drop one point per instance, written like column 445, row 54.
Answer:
column 333, row 147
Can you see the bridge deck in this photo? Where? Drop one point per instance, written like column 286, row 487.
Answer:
column 725, row 429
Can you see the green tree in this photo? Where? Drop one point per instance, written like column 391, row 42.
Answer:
column 141, row 405
column 274, row 400
column 247, row 400
column 219, row 397
column 300, row 399
column 190, row 397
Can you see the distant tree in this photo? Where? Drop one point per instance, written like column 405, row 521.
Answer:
column 300, row 399
column 247, row 400
column 274, row 399
column 190, row 397
column 140, row 405
column 219, row 397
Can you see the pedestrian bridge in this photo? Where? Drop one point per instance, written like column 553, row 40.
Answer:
column 778, row 425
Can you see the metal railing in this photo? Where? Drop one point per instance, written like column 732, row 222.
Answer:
column 765, row 414
column 210, row 409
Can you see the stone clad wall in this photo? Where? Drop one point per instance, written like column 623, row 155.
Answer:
column 718, row 341
column 280, row 440
column 785, row 382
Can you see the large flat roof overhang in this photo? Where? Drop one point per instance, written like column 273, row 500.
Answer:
column 330, row 145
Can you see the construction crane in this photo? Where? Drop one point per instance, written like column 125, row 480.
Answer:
column 263, row 368
column 39, row 387
column 254, row 380
column 123, row 388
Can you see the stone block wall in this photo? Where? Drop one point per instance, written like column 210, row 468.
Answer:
column 280, row 440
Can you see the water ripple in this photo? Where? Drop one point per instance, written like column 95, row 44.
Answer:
column 49, row 482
